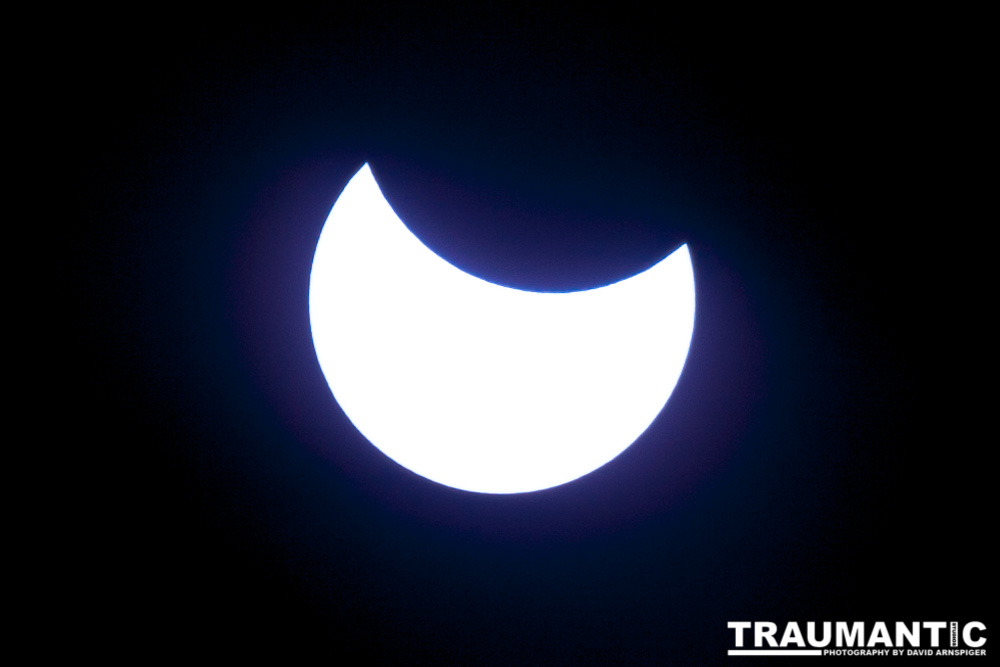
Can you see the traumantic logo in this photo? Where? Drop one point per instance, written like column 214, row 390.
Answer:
column 846, row 638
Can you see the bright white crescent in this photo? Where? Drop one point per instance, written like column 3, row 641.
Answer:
column 483, row 387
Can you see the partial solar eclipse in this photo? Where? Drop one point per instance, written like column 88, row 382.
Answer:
column 482, row 387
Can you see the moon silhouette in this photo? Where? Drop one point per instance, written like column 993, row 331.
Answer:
column 483, row 387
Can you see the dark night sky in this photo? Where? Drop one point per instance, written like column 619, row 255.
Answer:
column 819, row 460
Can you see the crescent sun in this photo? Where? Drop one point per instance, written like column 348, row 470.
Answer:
column 478, row 386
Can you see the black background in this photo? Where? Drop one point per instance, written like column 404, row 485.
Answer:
column 820, row 458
